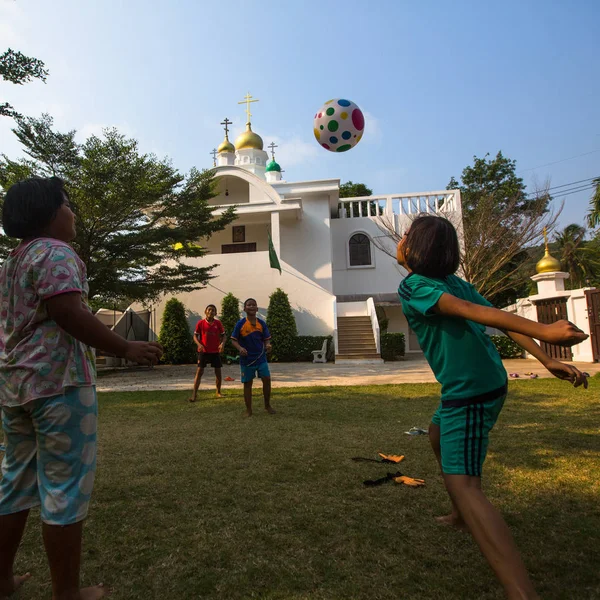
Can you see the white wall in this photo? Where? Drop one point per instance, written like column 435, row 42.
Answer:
column 306, row 243
column 255, row 232
column 352, row 309
column 398, row 324
column 576, row 313
column 249, row 275
column 383, row 277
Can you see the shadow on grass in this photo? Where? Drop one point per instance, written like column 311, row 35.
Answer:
column 195, row 501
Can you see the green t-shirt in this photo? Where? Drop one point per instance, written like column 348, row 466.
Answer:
column 460, row 353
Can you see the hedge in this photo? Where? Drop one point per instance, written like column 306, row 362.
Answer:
column 506, row 347
column 175, row 335
column 282, row 326
column 305, row 344
column 392, row 346
column 230, row 315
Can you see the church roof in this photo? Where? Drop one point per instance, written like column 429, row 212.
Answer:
column 249, row 139
column 273, row 166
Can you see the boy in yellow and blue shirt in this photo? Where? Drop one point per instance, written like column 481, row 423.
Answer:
column 251, row 337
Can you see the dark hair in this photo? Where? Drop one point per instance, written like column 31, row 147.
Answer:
column 248, row 300
column 31, row 205
column 431, row 247
column 209, row 305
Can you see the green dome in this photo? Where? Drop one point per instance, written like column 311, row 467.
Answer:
column 273, row 166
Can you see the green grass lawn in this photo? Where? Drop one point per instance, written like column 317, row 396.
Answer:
column 193, row 501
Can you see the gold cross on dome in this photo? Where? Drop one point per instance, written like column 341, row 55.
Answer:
column 214, row 155
column 247, row 101
column 545, row 231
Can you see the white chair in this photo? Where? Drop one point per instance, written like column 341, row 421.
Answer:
column 320, row 356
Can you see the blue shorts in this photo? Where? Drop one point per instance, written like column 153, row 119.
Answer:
column 50, row 458
column 249, row 372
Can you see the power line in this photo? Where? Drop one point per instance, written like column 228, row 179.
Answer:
column 572, row 183
column 572, row 187
column 576, row 190
column 559, row 161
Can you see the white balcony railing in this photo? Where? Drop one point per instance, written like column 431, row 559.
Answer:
column 443, row 202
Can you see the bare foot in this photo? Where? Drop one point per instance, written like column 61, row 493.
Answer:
column 13, row 586
column 191, row 399
column 454, row 521
column 270, row 410
column 219, row 395
column 248, row 413
column 94, row 593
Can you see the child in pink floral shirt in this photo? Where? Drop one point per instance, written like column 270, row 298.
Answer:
column 47, row 384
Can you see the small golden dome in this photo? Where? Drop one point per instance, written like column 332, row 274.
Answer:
column 249, row 139
column 548, row 264
column 226, row 146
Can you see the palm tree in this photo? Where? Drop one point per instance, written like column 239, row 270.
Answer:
column 575, row 255
column 593, row 217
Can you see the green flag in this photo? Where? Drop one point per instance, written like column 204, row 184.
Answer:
column 273, row 260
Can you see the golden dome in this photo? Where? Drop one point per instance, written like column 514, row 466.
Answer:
column 249, row 139
column 548, row 264
column 226, row 146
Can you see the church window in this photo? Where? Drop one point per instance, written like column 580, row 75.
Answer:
column 359, row 248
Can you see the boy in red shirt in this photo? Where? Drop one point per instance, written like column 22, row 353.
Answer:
column 210, row 339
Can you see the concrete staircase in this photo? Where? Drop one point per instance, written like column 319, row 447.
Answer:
column 356, row 340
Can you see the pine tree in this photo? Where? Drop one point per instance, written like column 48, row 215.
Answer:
column 175, row 335
column 230, row 315
column 282, row 325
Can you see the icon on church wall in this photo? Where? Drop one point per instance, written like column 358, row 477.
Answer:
column 339, row 125
column 239, row 233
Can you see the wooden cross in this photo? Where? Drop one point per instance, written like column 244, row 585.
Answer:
column 214, row 155
column 272, row 145
column 227, row 123
column 247, row 101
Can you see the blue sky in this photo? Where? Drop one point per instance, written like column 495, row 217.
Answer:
column 439, row 81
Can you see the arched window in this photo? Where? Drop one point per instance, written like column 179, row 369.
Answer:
column 359, row 250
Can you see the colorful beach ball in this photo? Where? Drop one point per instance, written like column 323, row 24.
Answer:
column 339, row 125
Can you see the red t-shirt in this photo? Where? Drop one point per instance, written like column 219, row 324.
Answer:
column 210, row 334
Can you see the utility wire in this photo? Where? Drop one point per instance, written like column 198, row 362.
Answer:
column 571, row 188
column 572, row 183
column 559, row 161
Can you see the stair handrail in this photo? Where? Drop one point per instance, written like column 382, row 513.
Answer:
column 335, row 328
column 374, row 323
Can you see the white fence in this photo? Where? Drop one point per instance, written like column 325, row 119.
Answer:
column 400, row 204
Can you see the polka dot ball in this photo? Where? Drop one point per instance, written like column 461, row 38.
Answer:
column 343, row 119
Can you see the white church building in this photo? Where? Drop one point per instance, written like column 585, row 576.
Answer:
column 337, row 257
column 334, row 268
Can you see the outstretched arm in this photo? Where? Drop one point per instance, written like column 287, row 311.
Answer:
column 561, row 333
column 558, row 369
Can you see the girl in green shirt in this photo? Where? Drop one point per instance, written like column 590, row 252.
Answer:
column 449, row 318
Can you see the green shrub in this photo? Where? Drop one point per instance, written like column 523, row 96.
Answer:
column 305, row 344
column 175, row 335
column 282, row 325
column 230, row 315
column 392, row 346
column 382, row 319
column 506, row 347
